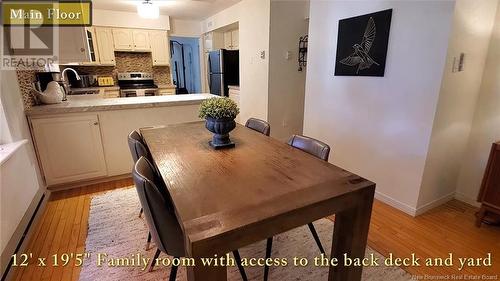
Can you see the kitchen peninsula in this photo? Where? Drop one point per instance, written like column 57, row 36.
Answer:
column 86, row 139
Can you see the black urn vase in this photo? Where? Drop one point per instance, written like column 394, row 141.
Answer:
column 220, row 128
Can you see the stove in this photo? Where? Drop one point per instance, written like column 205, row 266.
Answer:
column 137, row 84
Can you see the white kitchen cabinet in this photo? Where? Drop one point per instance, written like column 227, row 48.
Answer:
column 234, row 94
column 111, row 93
column 231, row 39
column 227, row 40
column 141, row 40
column 166, row 91
column 123, row 39
column 105, row 48
column 73, row 44
column 235, row 39
column 160, row 48
column 69, row 147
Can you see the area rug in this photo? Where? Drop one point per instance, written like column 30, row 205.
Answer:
column 115, row 229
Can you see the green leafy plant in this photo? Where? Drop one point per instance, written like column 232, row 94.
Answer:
column 218, row 108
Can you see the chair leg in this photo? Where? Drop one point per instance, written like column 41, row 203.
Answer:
column 316, row 237
column 269, row 247
column 240, row 267
column 173, row 272
column 153, row 261
column 149, row 241
column 140, row 212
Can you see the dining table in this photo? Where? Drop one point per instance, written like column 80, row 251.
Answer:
column 229, row 198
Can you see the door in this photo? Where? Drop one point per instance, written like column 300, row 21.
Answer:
column 141, row 40
column 105, row 46
column 235, row 39
column 216, row 83
column 185, row 64
column 69, row 148
column 73, row 44
column 214, row 62
column 160, row 49
column 122, row 39
column 227, row 40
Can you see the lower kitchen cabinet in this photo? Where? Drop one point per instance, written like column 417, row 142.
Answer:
column 69, row 147
column 79, row 147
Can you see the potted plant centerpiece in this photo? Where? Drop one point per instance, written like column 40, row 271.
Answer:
column 219, row 114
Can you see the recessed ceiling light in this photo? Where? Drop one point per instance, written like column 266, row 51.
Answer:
column 148, row 10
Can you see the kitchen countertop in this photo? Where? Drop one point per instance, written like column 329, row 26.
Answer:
column 166, row 86
column 89, row 89
column 100, row 104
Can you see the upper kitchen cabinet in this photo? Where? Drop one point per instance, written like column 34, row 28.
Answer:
column 141, row 40
column 231, row 39
column 160, row 48
column 123, row 40
column 235, row 39
column 131, row 40
column 105, row 48
column 74, row 47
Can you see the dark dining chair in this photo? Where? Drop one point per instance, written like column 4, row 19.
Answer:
column 160, row 216
column 138, row 149
column 258, row 125
column 322, row 151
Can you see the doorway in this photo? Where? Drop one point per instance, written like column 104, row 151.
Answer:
column 185, row 64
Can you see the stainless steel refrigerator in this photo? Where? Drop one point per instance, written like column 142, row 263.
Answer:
column 223, row 71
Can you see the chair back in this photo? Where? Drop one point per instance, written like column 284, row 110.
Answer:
column 258, row 125
column 137, row 146
column 311, row 146
column 159, row 211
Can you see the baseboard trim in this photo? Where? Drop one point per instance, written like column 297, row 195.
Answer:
column 65, row 186
column 435, row 203
column 396, row 204
column 21, row 237
column 466, row 199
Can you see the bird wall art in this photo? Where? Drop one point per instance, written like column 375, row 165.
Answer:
column 362, row 44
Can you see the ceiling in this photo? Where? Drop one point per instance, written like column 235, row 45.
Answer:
column 178, row 9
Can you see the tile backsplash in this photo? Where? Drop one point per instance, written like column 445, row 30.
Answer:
column 128, row 62
column 125, row 62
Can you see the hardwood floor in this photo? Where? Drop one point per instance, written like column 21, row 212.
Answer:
column 448, row 228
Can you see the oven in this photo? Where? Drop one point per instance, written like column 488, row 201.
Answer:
column 126, row 93
column 137, row 84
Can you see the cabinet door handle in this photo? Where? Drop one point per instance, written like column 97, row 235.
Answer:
column 96, row 123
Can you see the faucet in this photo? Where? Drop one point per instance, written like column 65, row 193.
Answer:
column 66, row 82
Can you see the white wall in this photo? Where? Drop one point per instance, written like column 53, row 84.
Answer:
column 128, row 19
column 286, row 83
column 379, row 127
column 185, row 28
column 253, row 17
column 472, row 25
column 486, row 125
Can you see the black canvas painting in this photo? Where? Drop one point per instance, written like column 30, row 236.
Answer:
column 362, row 44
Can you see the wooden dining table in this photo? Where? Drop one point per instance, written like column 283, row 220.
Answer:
column 230, row 198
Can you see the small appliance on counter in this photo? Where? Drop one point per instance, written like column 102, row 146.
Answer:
column 44, row 78
column 105, row 81
column 137, row 84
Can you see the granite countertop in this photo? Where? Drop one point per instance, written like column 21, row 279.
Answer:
column 89, row 89
column 234, row 87
column 100, row 104
column 166, row 86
